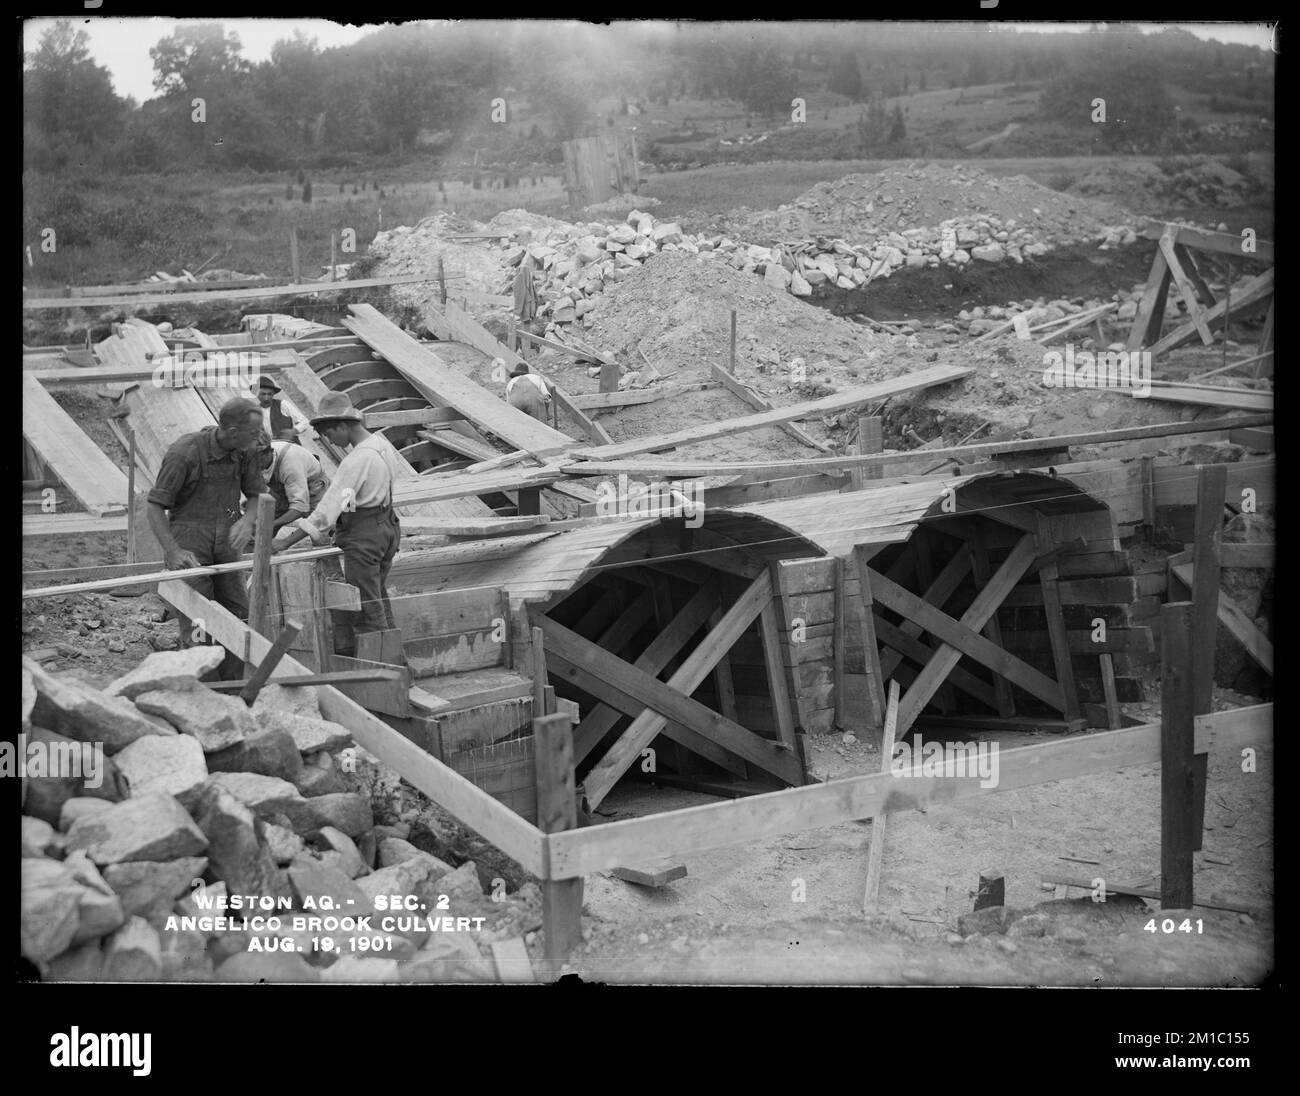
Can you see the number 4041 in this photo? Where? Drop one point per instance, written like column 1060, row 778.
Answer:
column 1169, row 925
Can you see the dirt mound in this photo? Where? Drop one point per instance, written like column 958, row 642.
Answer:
column 872, row 206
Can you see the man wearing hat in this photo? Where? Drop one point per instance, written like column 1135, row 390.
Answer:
column 295, row 477
column 528, row 392
column 358, row 506
column 276, row 421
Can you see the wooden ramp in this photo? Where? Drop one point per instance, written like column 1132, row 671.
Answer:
column 96, row 481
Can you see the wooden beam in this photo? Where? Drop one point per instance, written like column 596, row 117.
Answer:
column 876, row 854
column 96, row 482
column 557, row 811
column 264, row 668
column 1212, row 396
column 982, row 571
column 791, row 810
column 1186, row 289
column 655, row 873
column 420, row 416
column 1177, row 744
column 687, row 678
column 441, row 384
column 1254, row 291
column 758, row 402
column 1051, row 591
column 962, row 637
column 470, row 805
column 1234, row 618
column 909, row 382
column 1211, row 491
column 937, row 594
column 259, row 293
column 695, row 469
column 1204, row 239
column 779, row 692
column 260, row 580
column 1151, row 306
column 662, row 703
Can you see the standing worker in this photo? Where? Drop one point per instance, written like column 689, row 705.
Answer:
column 358, row 505
column 194, row 504
column 528, row 392
column 294, row 476
column 280, row 424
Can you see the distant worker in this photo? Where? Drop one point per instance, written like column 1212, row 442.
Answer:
column 528, row 392
column 358, row 506
column 295, row 478
column 280, row 424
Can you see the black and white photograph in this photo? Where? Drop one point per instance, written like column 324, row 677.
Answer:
column 650, row 503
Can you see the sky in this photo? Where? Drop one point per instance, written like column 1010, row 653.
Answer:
column 122, row 45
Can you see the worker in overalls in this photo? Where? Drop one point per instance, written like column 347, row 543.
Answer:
column 295, row 478
column 358, row 506
column 194, row 507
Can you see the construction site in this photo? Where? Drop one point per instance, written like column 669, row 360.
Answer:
column 831, row 624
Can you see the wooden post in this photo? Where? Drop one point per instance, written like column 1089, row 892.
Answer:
column 293, row 254
column 731, row 352
column 259, row 589
column 1177, row 741
column 609, row 372
column 130, row 499
column 1211, row 488
column 870, row 440
column 557, row 810
column 333, row 259
column 871, row 649
column 840, row 641
column 539, row 673
column 876, row 854
column 1056, row 630
column 442, row 281
column 259, row 677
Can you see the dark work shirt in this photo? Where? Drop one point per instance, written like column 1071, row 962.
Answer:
column 184, row 463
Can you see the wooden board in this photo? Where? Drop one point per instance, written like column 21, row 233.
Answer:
column 1234, row 618
column 443, row 385
column 258, row 293
column 677, row 833
column 653, row 873
column 96, row 482
column 910, row 382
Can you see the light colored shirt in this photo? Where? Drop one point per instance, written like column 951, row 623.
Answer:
column 534, row 379
column 300, row 424
column 365, row 478
column 300, row 474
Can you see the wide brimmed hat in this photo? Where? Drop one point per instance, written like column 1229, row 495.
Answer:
column 336, row 407
column 267, row 382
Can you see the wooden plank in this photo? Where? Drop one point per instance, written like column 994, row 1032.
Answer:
column 686, row 679
column 1204, row 239
column 418, row 416
column 693, row 469
column 1060, row 642
column 1063, row 882
column 791, row 810
column 1185, row 288
column 875, row 713
column 511, row 959
column 1234, row 618
column 756, row 400
column 770, row 630
column 981, row 571
column 1254, row 291
column 663, row 703
column 441, row 384
column 187, row 297
column 260, row 580
column 653, row 873
column 332, row 677
column 557, row 810
column 96, row 482
column 454, row 323
column 262, row 670
column 1177, row 744
column 962, row 637
column 1211, row 490
column 1211, row 396
column 910, row 382
column 471, row 806
column 876, row 853
column 840, row 642
column 1114, row 717
column 1151, row 306
column 631, row 397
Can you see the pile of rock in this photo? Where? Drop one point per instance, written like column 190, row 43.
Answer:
column 205, row 812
